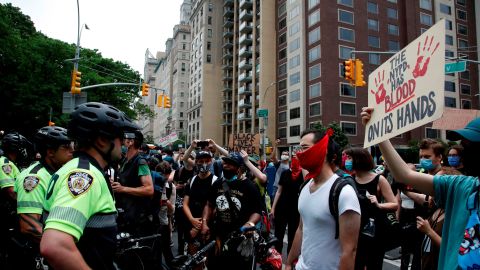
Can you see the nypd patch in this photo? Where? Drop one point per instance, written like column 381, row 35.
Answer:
column 30, row 183
column 7, row 168
column 79, row 183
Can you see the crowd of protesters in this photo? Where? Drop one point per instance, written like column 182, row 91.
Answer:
column 337, row 207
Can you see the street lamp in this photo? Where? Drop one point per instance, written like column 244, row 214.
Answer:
column 265, row 119
column 79, row 34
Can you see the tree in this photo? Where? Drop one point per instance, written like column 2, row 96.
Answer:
column 338, row 134
column 34, row 75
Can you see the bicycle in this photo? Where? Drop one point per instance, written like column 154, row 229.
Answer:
column 132, row 252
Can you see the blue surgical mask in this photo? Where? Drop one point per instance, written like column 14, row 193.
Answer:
column 454, row 161
column 427, row 164
column 124, row 149
column 349, row 165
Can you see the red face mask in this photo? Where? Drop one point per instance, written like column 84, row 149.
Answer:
column 312, row 159
column 296, row 169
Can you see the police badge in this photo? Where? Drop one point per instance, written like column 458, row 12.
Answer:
column 30, row 183
column 79, row 183
column 7, row 168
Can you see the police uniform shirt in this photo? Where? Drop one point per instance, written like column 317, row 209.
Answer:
column 79, row 202
column 8, row 172
column 31, row 186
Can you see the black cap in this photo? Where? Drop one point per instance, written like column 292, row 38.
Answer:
column 202, row 154
column 234, row 159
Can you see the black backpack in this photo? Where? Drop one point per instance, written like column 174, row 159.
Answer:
column 334, row 195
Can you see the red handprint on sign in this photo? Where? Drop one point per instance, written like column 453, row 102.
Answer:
column 423, row 56
column 381, row 92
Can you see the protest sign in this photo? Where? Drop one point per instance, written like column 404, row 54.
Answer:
column 172, row 137
column 407, row 91
column 249, row 142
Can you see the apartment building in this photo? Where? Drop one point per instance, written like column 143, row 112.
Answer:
column 314, row 38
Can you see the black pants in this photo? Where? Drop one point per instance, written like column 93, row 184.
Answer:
column 181, row 223
column 164, row 247
column 281, row 222
column 411, row 239
column 370, row 253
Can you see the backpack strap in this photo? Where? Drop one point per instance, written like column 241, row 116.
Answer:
column 214, row 178
column 233, row 208
column 191, row 181
column 334, row 197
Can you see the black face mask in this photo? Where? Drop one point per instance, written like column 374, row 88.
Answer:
column 470, row 156
column 229, row 174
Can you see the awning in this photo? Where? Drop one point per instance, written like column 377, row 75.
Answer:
column 455, row 119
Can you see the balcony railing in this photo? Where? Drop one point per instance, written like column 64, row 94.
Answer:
column 246, row 15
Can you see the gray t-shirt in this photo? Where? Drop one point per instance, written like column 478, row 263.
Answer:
column 283, row 167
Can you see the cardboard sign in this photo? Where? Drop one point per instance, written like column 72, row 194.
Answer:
column 407, row 91
column 249, row 142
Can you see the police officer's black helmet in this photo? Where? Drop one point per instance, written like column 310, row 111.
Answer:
column 92, row 119
column 16, row 143
column 51, row 137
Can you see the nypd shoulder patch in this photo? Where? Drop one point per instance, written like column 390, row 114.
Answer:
column 79, row 183
column 7, row 168
column 30, row 183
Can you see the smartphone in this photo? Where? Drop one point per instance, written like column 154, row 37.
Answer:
column 202, row 144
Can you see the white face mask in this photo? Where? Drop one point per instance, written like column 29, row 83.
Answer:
column 284, row 157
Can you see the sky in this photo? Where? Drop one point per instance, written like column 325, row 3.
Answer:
column 119, row 29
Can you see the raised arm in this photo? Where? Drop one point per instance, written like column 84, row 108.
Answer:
column 253, row 169
column 220, row 149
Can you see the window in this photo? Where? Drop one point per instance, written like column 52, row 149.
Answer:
column 461, row 2
column 209, row 45
column 314, row 54
column 348, row 109
column 426, row 4
column 465, row 75
column 294, row 62
column 282, row 132
column 209, row 33
column 345, row 52
column 392, row 13
column 295, row 131
column 448, row 24
column 294, row 12
column 450, row 102
column 372, row 7
column 315, row 90
column 312, row 3
column 282, row 54
column 210, row 7
column 183, row 67
column 461, row 14
column 181, row 114
column 295, row 113
column 209, row 20
column 345, row 16
column 282, row 117
column 462, row 29
column 294, row 28
column 449, row 86
column 282, row 69
column 346, row 2
column 282, row 39
column 425, row 19
column 295, row 96
column 374, row 59
column 393, row 29
column 294, row 45
column 347, row 90
column 282, row 85
column 346, row 34
column 445, row 9
column 295, row 78
column 448, row 40
column 314, row 18
column 374, row 41
column 449, row 53
column 372, row 24
column 282, row 100
column 282, row 24
column 282, row 9
column 314, row 72
column 393, row 45
column 184, row 36
column 466, row 104
column 392, row 1
column 349, row 128
column 315, row 109
column 465, row 89
column 462, row 44
column 313, row 36
column 209, row 58
column 432, row 133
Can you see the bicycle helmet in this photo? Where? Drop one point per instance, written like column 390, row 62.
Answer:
column 16, row 143
column 51, row 137
column 92, row 119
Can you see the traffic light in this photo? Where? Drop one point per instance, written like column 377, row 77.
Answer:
column 348, row 70
column 50, row 123
column 145, row 88
column 359, row 80
column 160, row 101
column 76, row 78
column 268, row 150
column 166, row 102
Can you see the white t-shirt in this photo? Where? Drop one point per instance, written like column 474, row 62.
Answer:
column 320, row 250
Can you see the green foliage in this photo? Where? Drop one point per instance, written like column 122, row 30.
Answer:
column 338, row 135
column 34, row 75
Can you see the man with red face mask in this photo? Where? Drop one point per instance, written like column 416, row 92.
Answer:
column 315, row 243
